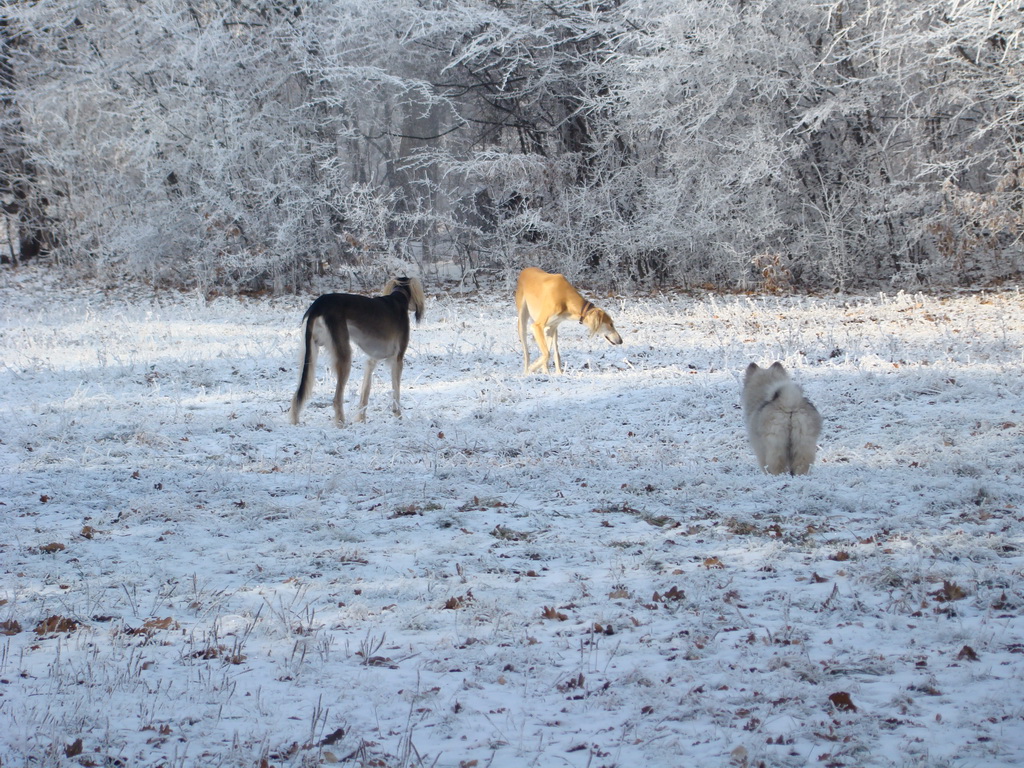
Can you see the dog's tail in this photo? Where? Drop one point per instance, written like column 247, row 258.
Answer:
column 804, row 425
column 417, row 299
column 413, row 289
column 803, row 438
column 789, row 396
column 309, row 354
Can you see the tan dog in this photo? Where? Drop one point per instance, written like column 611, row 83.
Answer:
column 378, row 325
column 782, row 424
column 548, row 299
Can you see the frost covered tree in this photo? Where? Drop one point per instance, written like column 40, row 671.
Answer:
column 740, row 143
column 912, row 143
column 27, row 224
column 222, row 143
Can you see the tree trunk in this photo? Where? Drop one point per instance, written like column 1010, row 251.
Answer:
column 22, row 201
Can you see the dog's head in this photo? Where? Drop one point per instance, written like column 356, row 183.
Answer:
column 599, row 322
column 756, row 375
column 412, row 288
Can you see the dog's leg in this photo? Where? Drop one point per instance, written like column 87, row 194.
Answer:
column 769, row 434
column 524, row 322
column 553, row 335
column 396, row 385
column 342, row 366
column 800, row 466
column 778, row 462
column 364, row 393
column 802, row 447
column 541, row 363
column 338, row 339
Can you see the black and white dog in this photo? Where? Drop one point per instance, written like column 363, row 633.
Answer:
column 378, row 325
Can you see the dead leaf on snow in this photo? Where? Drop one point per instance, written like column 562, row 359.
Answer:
column 9, row 627
column 841, row 700
column 673, row 593
column 152, row 625
column 949, row 592
column 74, row 749
column 967, row 653
column 454, row 603
column 56, row 624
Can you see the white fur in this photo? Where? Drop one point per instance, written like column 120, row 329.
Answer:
column 782, row 424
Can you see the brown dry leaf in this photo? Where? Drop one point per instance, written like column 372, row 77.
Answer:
column 674, row 593
column 52, row 548
column 9, row 627
column 406, row 510
column 56, row 624
column 74, row 749
column 949, row 592
column 456, row 602
column 842, row 701
column 332, row 738
column 551, row 613
column 739, row 758
column 967, row 653
column 840, row 557
column 618, row 594
column 572, row 683
column 713, row 563
column 155, row 624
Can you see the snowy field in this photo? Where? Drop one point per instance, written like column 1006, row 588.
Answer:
column 586, row 570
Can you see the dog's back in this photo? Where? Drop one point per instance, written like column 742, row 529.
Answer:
column 782, row 424
column 379, row 325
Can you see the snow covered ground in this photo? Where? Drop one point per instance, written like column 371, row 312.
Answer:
column 585, row 570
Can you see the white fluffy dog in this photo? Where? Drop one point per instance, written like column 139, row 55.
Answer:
column 782, row 424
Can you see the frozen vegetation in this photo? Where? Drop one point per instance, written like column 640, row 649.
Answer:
column 585, row 570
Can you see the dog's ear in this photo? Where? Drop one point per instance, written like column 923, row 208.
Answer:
column 751, row 370
column 777, row 367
